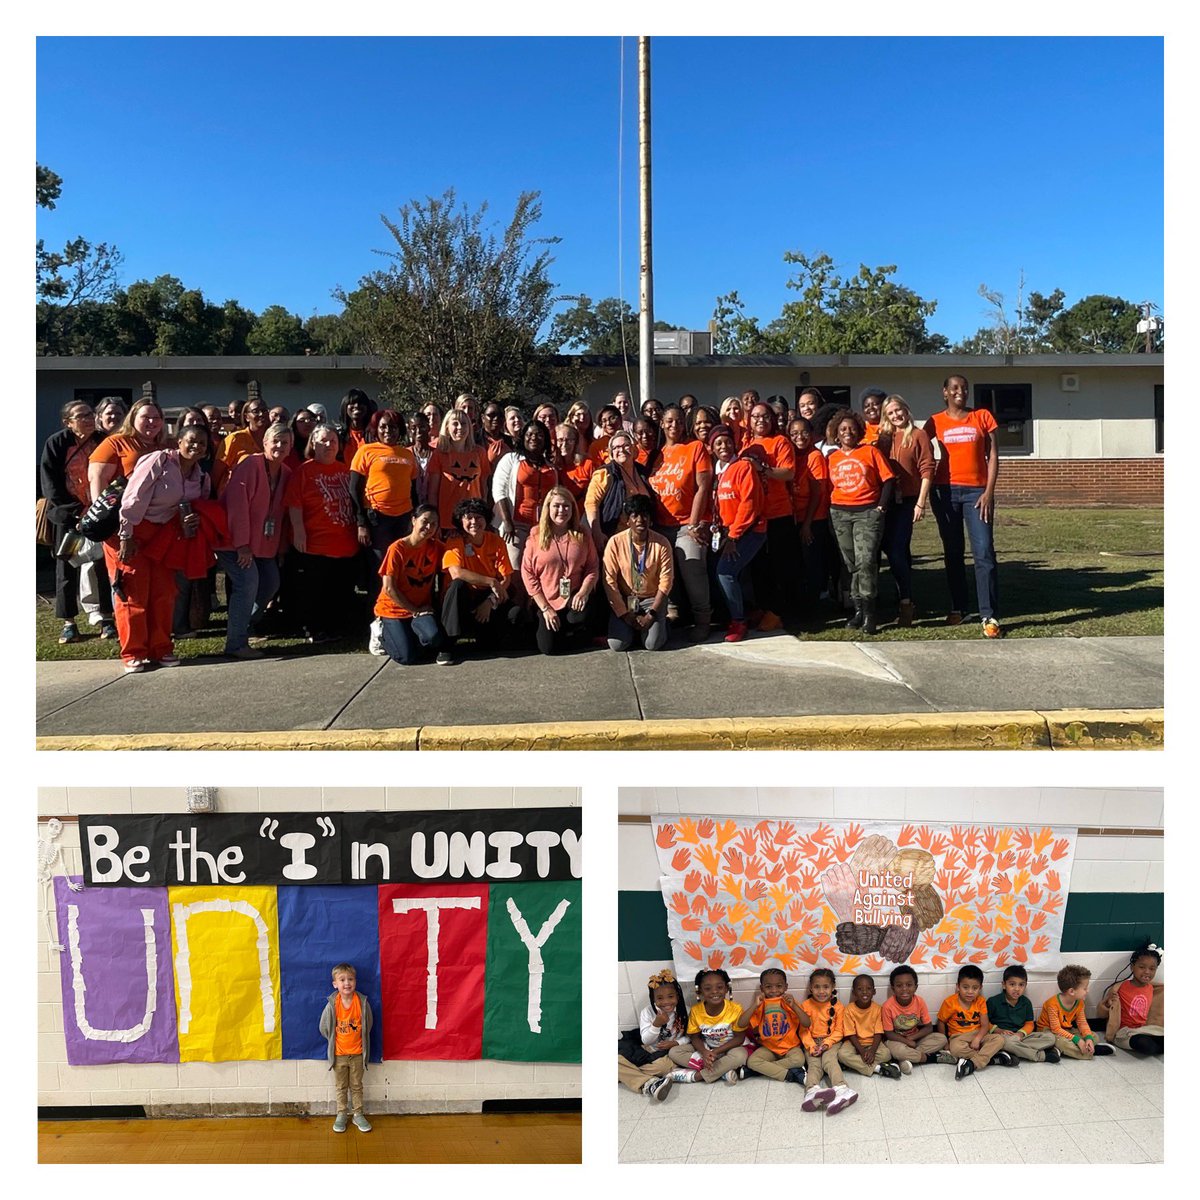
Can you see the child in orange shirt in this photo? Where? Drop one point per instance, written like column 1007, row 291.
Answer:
column 1064, row 1012
column 775, row 1021
column 862, row 1021
column 346, row 1022
column 821, row 1040
column 907, row 1028
column 963, row 1019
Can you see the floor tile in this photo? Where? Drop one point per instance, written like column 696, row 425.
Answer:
column 691, row 1099
column 729, row 1155
column 934, row 1149
column 1121, row 1104
column 748, row 1096
column 1078, row 1108
column 654, row 1141
column 860, row 1122
column 1020, row 1110
column 1006, row 1080
column 624, row 1129
column 786, row 1129
column 806, row 1155
column 1107, row 1142
column 1052, row 1144
column 1153, row 1095
column 966, row 1113
column 720, row 1128
column 917, row 1119
column 990, row 1146
column 941, row 1082
column 857, row 1152
column 1148, row 1134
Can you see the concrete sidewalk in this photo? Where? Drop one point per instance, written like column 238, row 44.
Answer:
column 774, row 692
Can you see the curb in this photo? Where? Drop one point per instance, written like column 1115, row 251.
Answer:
column 1065, row 729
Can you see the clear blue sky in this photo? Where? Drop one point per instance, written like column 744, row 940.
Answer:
column 256, row 169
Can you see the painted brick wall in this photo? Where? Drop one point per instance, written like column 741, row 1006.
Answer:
column 286, row 1086
column 1031, row 481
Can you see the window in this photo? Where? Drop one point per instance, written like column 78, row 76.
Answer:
column 1012, row 406
column 1158, row 418
column 93, row 395
column 830, row 393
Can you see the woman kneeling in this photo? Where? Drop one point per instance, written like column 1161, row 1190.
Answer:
column 405, row 605
column 638, row 574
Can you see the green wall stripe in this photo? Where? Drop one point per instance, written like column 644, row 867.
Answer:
column 1093, row 922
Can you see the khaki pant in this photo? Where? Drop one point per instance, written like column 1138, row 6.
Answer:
column 348, row 1076
column 851, row 1056
column 634, row 1078
column 924, row 1050
column 776, row 1066
column 1032, row 1047
column 960, row 1047
column 1122, row 1036
column 1068, row 1048
column 681, row 1056
column 826, row 1064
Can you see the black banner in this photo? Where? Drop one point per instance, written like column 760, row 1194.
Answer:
column 485, row 845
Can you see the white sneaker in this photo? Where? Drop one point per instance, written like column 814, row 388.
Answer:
column 684, row 1076
column 905, row 1066
column 843, row 1098
column 731, row 1076
column 817, row 1096
column 375, row 644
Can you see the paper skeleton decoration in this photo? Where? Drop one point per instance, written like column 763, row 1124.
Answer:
column 49, row 859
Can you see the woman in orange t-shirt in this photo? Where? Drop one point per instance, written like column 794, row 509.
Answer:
column 406, row 608
column 478, row 580
column 575, row 469
column 608, row 421
column 324, row 536
column 580, row 416
column 739, row 524
column 353, row 418
column 681, row 477
column 244, row 442
column 964, row 492
column 860, row 491
column 776, row 570
column 382, row 482
column 458, row 468
column 810, row 507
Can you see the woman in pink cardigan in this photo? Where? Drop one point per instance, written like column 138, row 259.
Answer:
column 560, row 570
column 254, row 508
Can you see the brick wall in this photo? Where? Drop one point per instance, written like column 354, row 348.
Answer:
column 1080, row 481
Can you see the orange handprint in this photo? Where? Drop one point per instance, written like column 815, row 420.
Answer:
column 707, row 937
column 784, row 832
column 687, row 830
column 665, row 836
column 679, row 902
column 691, row 950
column 727, row 934
column 706, row 828
column 709, row 858
column 737, row 956
column 715, row 959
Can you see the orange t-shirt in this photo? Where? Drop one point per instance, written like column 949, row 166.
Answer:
column 239, row 445
column 532, row 485
column 781, row 456
column 351, row 444
column 961, row 1019
column 322, row 494
column 576, row 480
column 413, row 570
column 964, row 442
column 674, row 481
column 810, row 476
column 904, row 1019
column 857, row 476
column 774, row 1027
column 863, row 1023
column 822, row 1029
column 740, row 499
column 490, row 558
column 122, row 450
column 870, row 434
column 347, row 1026
column 389, row 472
column 598, row 450
column 461, row 475
column 1060, row 1021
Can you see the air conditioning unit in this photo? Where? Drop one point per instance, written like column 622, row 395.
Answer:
column 683, row 341
column 1069, row 383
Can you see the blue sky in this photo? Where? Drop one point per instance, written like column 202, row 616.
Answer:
column 257, row 169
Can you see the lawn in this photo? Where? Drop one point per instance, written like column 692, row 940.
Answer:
column 1064, row 572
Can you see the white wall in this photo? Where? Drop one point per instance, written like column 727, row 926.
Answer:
column 1132, row 864
column 279, row 1086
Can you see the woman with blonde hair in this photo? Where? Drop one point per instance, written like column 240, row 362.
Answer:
column 579, row 415
column 560, row 569
column 458, row 468
column 910, row 454
column 733, row 415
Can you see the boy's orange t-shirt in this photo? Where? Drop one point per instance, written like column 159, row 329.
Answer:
column 389, row 472
column 1060, row 1021
column 963, row 1019
column 460, row 475
column 901, row 1019
column 964, row 442
column 857, row 476
column 822, row 1029
column 413, row 569
column 347, row 1026
column 774, row 1027
column 863, row 1023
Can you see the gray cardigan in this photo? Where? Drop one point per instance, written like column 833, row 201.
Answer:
column 328, row 1027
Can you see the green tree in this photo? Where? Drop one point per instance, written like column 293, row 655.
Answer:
column 459, row 306
column 277, row 331
column 49, row 187
column 1097, row 325
column 330, row 333
column 608, row 326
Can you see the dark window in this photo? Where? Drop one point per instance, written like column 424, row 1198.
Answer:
column 1158, row 418
column 1012, row 406
column 830, row 393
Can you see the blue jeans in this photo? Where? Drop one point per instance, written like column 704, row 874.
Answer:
column 621, row 635
column 251, row 588
column 405, row 637
column 954, row 506
column 731, row 562
column 897, row 543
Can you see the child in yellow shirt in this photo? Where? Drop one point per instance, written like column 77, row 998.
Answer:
column 712, row 1031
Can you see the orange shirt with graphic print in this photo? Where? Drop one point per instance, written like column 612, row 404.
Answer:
column 781, row 456
column 347, row 1027
column 461, row 475
column 322, row 494
column 964, row 446
column 963, row 1019
column 413, row 571
column 490, row 558
column 388, row 472
column 674, row 481
column 774, row 1027
column 856, row 477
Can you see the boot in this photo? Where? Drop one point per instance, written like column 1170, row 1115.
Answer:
column 907, row 611
column 856, row 621
column 868, row 616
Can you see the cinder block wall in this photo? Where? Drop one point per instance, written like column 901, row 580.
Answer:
column 285, row 1086
column 1098, row 481
column 1116, row 892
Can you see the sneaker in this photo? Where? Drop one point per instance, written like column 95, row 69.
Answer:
column 340, row 1122
column 246, row 652
column 794, row 1075
column 657, row 1089
column 1101, row 1049
column 1005, row 1059
column 375, row 641
column 843, row 1098
column 954, row 618
column 446, row 659
column 905, row 1066
column 816, row 1096
column 69, row 634
column 769, row 623
column 108, row 629
column 742, row 1072
column 1140, row 1043
column 731, row 1076
column 737, row 631
column 361, row 1123
column 168, row 660
column 991, row 628
column 945, row 1057
column 965, row 1067
column 683, row 1075
column 890, row 1069
column 699, row 633
column 1053, row 1055
column 135, row 666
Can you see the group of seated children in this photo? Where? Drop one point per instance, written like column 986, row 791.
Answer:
column 810, row 1042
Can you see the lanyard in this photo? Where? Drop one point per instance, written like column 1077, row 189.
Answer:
column 638, row 564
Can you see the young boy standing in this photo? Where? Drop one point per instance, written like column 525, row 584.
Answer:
column 907, row 1027
column 963, row 1019
column 346, row 1023
column 1011, row 1015
column 776, row 1021
column 1063, row 1016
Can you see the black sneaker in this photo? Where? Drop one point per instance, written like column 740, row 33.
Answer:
column 1052, row 1055
column 1146, row 1043
column 1005, row 1059
column 657, row 1089
column 795, row 1075
column 1101, row 1049
column 445, row 659
column 890, row 1069
column 965, row 1067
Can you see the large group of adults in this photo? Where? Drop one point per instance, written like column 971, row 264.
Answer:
column 488, row 525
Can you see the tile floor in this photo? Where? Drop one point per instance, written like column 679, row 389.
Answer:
column 1105, row 1111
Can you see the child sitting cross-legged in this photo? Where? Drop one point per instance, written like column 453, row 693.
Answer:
column 1063, row 1016
column 775, row 1021
column 716, row 1043
column 863, row 1050
column 963, row 1019
column 1011, row 1015
column 820, row 1042
column 907, row 1026
column 643, row 1064
column 1130, row 1005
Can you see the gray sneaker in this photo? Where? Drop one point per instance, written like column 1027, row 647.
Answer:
column 361, row 1123
column 340, row 1122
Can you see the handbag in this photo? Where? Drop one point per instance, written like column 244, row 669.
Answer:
column 44, row 527
column 104, row 513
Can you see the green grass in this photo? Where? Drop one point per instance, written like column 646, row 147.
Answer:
column 1064, row 572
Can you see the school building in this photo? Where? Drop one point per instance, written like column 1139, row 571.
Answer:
column 1074, row 429
column 278, row 1087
